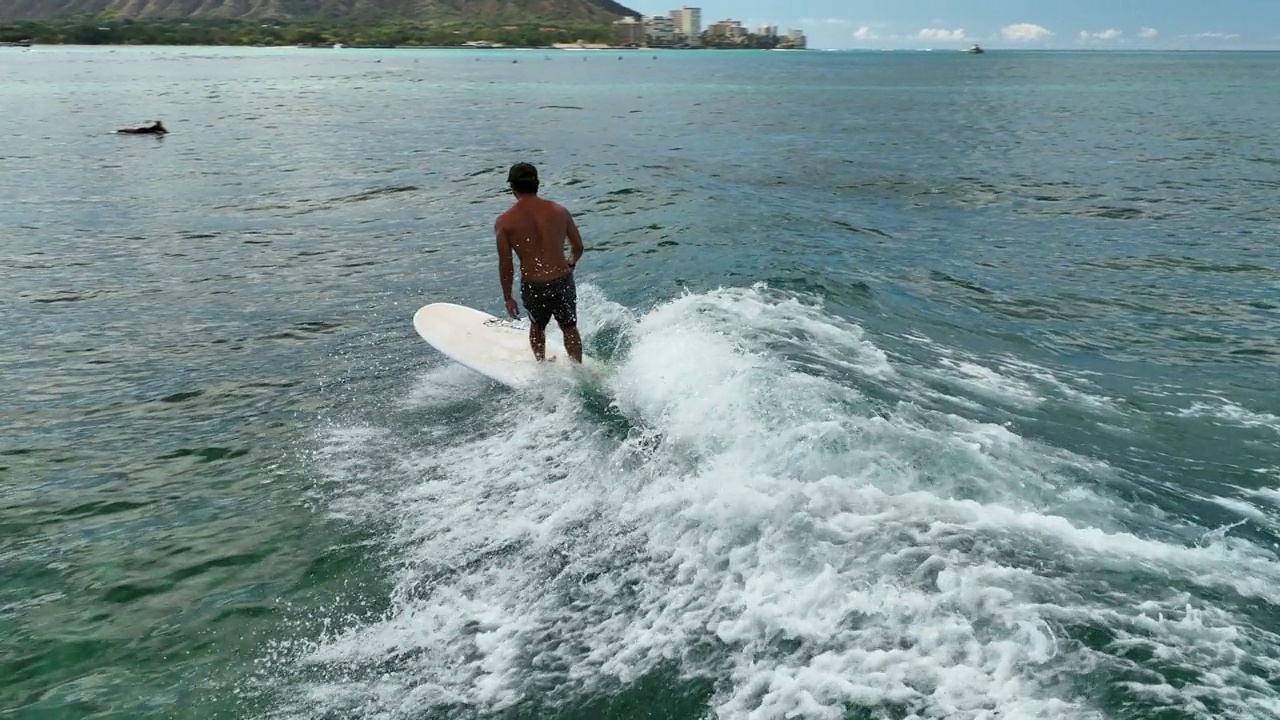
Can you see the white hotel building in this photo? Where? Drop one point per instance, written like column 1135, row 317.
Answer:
column 688, row 24
column 680, row 26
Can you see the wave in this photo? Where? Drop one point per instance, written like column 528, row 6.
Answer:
column 754, row 522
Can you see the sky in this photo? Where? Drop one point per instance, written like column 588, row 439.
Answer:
column 1048, row 24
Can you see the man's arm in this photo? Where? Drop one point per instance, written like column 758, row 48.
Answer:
column 506, row 271
column 575, row 240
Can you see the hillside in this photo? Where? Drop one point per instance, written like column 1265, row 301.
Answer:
column 480, row 11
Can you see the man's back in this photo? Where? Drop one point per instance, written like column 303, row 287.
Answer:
column 536, row 230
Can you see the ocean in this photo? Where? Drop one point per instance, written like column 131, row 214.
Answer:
column 938, row 386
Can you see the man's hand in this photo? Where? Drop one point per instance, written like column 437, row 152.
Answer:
column 512, row 309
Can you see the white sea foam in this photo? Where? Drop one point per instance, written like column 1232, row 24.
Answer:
column 1232, row 414
column 1075, row 388
column 1246, row 509
column 989, row 383
column 972, row 384
column 444, row 384
column 765, row 525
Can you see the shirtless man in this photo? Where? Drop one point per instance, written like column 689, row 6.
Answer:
column 536, row 230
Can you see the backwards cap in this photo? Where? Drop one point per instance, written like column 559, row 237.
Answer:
column 522, row 171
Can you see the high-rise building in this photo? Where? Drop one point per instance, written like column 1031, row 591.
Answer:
column 628, row 31
column 727, row 30
column 688, row 22
column 660, row 30
column 795, row 39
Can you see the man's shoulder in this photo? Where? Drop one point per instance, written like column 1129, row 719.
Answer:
column 505, row 215
column 555, row 207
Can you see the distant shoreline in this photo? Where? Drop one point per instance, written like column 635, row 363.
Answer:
column 438, row 34
column 622, row 48
column 383, row 33
column 348, row 46
column 591, row 47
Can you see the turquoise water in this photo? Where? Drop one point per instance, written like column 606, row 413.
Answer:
column 940, row 386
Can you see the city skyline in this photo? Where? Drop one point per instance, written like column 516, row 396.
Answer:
column 942, row 24
column 684, row 26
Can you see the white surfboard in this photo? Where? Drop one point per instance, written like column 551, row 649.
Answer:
column 495, row 347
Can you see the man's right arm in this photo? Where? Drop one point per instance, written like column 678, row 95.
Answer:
column 506, row 269
column 575, row 240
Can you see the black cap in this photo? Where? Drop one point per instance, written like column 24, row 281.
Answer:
column 522, row 171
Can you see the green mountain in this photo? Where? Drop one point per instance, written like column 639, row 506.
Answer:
column 478, row 11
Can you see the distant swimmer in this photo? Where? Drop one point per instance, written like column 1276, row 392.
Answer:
column 155, row 128
column 536, row 230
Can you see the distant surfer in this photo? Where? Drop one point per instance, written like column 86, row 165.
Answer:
column 155, row 128
column 536, row 229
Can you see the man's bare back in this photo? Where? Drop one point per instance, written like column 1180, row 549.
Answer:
column 535, row 230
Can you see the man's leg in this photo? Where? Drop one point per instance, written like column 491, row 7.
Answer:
column 535, row 303
column 566, row 314
column 572, row 342
column 538, row 341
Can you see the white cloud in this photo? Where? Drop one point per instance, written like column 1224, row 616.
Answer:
column 865, row 33
column 1108, row 34
column 1215, row 36
column 1025, row 32
column 1148, row 33
column 941, row 35
column 835, row 21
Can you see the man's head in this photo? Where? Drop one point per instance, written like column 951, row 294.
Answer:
column 523, row 178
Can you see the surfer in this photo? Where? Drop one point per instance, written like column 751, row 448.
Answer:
column 536, row 229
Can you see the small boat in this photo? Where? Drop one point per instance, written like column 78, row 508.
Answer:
column 975, row 50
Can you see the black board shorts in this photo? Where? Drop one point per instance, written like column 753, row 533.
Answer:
column 555, row 298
